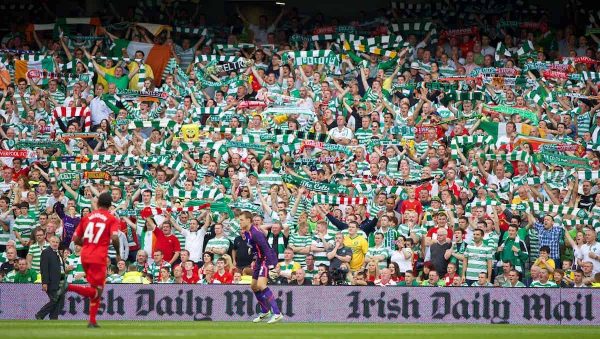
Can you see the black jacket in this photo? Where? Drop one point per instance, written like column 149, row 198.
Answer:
column 50, row 268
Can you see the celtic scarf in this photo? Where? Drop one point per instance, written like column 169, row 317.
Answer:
column 313, row 185
column 412, row 27
column 214, row 194
column 229, row 130
column 588, row 175
column 236, row 144
column 158, row 124
column 363, row 188
column 129, row 95
column 231, row 48
column 289, row 110
column 73, row 166
column 553, row 178
column 175, row 165
column 466, row 140
column 44, row 144
column 562, row 160
column 208, row 83
column 525, row 114
column 514, row 156
column 247, row 206
column 538, row 208
column 318, row 57
column 191, row 30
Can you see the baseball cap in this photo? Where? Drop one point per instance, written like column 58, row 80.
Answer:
column 441, row 212
column 415, row 65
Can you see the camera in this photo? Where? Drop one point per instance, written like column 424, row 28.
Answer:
column 338, row 276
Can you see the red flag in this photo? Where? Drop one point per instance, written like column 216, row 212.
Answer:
column 254, row 83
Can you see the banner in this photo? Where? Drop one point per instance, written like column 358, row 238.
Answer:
column 13, row 154
column 167, row 302
column 524, row 113
column 130, row 95
column 96, row 175
column 557, row 159
column 229, row 66
column 43, row 144
column 314, row 186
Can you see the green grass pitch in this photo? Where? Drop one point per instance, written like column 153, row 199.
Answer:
column 168, row 329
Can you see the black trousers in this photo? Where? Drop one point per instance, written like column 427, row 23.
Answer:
column 53, row 307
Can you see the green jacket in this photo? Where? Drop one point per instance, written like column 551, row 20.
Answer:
column 28, row 276
column 515, row 258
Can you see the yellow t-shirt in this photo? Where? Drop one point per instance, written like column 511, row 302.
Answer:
column 102, row 80
column 359, row 246
column 549, row 264
column 133, row 83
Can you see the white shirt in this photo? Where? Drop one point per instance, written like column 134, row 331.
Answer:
column 403, row 263
column 14, row 117
column 6, row 186
column 488, row 50
column 99, row 111
column 344, row 133
column 194, row 241
column 586, row 249
column 260, row 34
column 595, row 133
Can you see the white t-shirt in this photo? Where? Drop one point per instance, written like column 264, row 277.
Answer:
column 585, row 254
column 100, row 111
column 403, row 263
column 260, row 34
column 194, row 241
column 344, row 133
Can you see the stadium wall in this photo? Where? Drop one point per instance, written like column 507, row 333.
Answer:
column 322, row 304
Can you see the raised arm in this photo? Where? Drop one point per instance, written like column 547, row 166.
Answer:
column 136, row 69
column 65, row 48
column 95, row 64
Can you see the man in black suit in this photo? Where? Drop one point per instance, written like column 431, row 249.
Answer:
column 52, row 269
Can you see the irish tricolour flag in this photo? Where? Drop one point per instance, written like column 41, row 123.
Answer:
column 497, row 130
column 157, row 56
column 34, row 67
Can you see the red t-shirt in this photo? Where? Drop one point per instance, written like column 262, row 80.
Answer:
column 426, row 186
column 24, row 172
column 96, row 230
column 411, row 205
column 503, row 222
column 456, row 133
column 167, row 244
column 454, row 189
column 226, row 278
column 449, row 279
column 191, row 280
column 435, row 229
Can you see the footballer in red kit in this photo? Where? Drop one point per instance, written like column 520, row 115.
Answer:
column 95, row 233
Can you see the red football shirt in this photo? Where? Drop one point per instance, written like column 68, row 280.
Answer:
column 226, row 278
column 96, row 230
column 167, row 244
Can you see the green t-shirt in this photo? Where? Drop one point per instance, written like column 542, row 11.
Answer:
column 30, row 276
column 121, row 83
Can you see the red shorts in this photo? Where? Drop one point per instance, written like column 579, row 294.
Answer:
column 95, row 273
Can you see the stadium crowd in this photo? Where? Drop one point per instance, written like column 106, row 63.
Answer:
column 450, row 145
